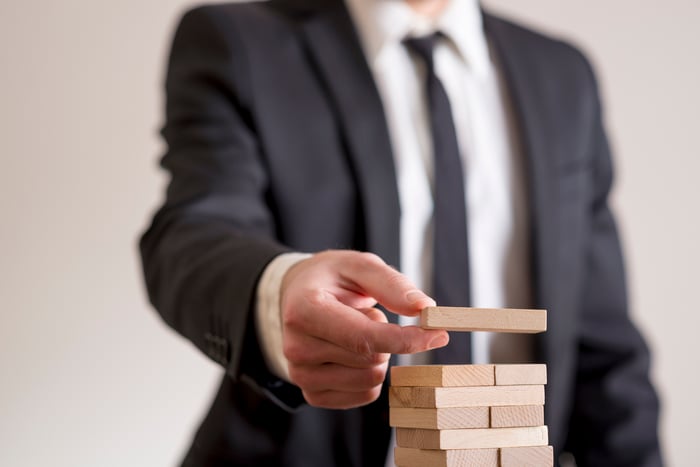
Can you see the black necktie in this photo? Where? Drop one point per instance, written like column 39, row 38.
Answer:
column 450, row 248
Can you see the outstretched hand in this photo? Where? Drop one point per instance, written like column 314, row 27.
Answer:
column 336, row 342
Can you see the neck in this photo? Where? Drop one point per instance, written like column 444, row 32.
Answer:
column 428, row 8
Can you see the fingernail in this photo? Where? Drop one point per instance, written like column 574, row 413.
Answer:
column 415, row 296
column 439, row 341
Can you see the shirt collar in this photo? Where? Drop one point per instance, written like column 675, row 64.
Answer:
column 382, row 23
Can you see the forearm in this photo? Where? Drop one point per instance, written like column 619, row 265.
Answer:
column 201, row 276
column 214, row 235
column 616, row 410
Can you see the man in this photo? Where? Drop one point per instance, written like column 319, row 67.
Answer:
column 302, row 126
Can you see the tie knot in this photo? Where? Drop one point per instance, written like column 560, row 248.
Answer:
column 423, row 46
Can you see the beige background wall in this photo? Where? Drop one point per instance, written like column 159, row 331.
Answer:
column 88, row 374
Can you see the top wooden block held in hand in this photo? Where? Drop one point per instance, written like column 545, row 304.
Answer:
column 484, row 319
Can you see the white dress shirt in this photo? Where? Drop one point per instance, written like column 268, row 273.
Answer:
column 493, row 165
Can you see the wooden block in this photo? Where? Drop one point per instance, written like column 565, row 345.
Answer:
column 440, row 419
column 484, row 319
column 508, row 375
column 517, row 415
column 410, row 457
column 535, row 456
column 480, row 396
column 477, row 438
column 443, row 375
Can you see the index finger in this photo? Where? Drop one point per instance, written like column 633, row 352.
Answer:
column 370, row 275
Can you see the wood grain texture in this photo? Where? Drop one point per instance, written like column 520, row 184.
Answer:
column 410, row 457
column 484, row 396
column 443, row 375
column 477, row 438
column 440, row 419
column 535, row 456
column 517, row 416
column 508, row 375
column 484, row 319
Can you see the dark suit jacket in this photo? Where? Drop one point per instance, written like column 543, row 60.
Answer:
column 277, row 141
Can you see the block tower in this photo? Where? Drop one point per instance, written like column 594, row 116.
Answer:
column 472, row 415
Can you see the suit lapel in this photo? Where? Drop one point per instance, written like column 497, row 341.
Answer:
column 335, row 50
column 534, row 136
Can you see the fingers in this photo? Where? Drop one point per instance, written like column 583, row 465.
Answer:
column 333, row 377
column 352, row 380
column 305, row 350
column 370, row 275
column 327, row 319
column 336, row 343
column 359, row 280
column 341, row 400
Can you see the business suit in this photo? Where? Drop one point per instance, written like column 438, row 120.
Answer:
column 278, row 142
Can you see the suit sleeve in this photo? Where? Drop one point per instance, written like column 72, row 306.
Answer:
column 616, row 409
column 215, row 233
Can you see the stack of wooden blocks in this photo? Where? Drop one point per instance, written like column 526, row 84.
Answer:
column 472, row 415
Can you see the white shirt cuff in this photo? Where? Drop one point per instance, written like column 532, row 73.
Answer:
column 268, row 319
